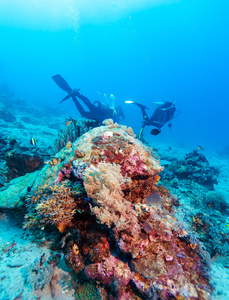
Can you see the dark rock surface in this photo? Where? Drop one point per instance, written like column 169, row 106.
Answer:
column 21, row 162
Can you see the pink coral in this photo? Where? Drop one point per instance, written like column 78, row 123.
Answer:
column 110, row 271
column 133, row 165
column 62, row 174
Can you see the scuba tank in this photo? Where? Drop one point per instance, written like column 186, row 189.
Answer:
column 101, row 105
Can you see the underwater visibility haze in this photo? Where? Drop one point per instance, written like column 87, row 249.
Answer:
column 93, row 195
column 144, row 51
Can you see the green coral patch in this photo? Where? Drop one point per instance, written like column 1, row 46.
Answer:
column 14, row 195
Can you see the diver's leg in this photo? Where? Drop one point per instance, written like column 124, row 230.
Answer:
column 140, row 135
column 84, row 114
column 87, row 102
column 143, row 109
column 115, row 116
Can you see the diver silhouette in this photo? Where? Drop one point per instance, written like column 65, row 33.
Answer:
column 163, row 113
column 97, row 111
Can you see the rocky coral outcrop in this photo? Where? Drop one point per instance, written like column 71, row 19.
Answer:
column 21, row 161
column 116, row 236
column 217, row 201
column 13, row 195
column 195, row 167
column 204, row 210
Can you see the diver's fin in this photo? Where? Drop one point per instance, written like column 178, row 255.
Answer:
column 62, row 83
column 73, row 93
column 65, row 98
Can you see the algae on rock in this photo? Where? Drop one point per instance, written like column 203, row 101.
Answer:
column 14, row 194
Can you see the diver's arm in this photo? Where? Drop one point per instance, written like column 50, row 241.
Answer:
column 143, row 110
column 168, row 108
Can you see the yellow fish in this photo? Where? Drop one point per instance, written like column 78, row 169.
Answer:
column 199, row 147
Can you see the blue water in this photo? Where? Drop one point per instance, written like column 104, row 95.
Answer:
column 173, row 51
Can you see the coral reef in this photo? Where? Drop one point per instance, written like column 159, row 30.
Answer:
column 216, row 201
column 17, row 159
column 195, row 167
column 20, row 122
column 72, row 131
column 204, row 210
column 53, row 204
column 87, row 291
column 205, row 213
column 120, row 231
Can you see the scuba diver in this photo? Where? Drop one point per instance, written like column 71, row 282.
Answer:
column 163, row 113
column 97, row 111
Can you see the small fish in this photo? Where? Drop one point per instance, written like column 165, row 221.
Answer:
column 69, row 122
column 54, row 161
column 116, row 152
column 199, row 147
column 33, row 141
